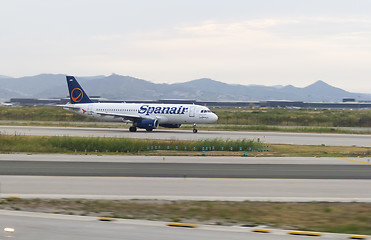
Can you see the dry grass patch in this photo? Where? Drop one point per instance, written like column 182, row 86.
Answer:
column 318, row 150
column 354, row 218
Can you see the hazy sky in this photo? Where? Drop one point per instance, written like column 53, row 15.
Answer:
column 264, row 42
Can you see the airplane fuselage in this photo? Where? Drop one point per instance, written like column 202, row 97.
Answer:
column 142, row 115
column 164, row 113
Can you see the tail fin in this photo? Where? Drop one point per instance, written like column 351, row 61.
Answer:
column 77, row 94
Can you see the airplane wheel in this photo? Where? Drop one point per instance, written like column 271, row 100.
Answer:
column 194, row 130
column 149, row 129
column 132, row 129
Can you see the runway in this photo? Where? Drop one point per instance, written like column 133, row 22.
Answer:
column 219, row 189
column 192, row 170
column 268, row 137
column 332, row 179
column 184, row 166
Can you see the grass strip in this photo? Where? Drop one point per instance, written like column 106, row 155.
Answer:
column 213, row 147
column 352, row 218
column 284, row 150
column 56, row 144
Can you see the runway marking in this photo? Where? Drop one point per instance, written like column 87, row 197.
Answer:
column 352, row 160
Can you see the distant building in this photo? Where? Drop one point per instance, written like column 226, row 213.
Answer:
column 349, row 99
column 34, row 101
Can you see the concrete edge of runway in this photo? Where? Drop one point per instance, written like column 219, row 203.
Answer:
column 182, row 159
column 329, row 139
column 187, row 198
column 169, row 130
column 147, row 223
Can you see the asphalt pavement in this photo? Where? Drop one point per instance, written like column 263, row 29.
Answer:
column 268, row 137
column 193, row 170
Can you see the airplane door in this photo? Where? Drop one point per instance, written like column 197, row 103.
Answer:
column 90, row 112
column 191, row 111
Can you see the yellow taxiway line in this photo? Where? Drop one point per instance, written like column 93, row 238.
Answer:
column 357, row 161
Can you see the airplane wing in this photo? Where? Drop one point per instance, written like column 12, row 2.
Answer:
column 119, row 115
column 128, row 116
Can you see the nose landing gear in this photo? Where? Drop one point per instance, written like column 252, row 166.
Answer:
column 194, row 128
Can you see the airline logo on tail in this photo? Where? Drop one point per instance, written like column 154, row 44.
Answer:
column 77, row 95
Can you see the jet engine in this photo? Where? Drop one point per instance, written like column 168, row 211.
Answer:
column 148, row 124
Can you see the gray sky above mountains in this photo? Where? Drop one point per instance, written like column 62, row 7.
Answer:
column 268, row 42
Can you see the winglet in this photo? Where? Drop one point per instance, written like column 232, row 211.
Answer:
column 77, row 94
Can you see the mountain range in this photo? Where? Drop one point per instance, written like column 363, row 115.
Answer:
column 129, row 88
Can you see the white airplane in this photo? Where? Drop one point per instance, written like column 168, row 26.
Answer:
column 142, row 115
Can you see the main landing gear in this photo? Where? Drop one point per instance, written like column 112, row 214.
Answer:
column 194, row 128
column 134, row 129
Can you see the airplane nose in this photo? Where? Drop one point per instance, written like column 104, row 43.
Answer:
column 215, row 117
